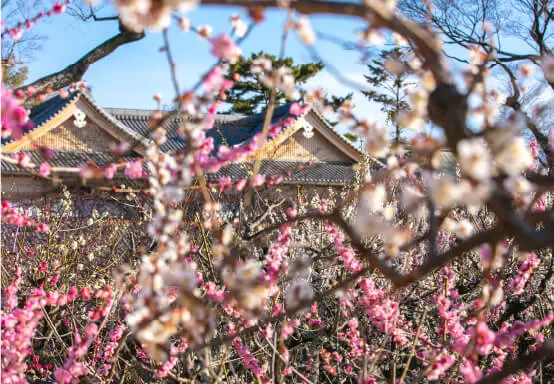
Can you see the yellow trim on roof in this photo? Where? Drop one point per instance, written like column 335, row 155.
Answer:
column 30, row 137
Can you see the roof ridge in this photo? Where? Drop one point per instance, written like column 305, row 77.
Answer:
column 139, row 112
column 115, row 121
column 114, row 110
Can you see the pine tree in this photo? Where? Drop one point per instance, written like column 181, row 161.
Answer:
column 389, row 89
column 249, row 95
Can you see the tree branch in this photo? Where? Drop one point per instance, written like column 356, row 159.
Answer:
column 546, row 353
column 75, row 72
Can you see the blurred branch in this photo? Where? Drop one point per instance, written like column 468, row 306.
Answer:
column 544, row 353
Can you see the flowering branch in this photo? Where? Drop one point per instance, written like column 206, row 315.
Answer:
column 545, row 353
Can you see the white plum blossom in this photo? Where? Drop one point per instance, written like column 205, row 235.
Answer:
column 394, row 66
column 261, row 65
column 474, row 159
column 394, row 240
column 205, row 31
column 374, row 199
column 518, row 185
column 154, row 336
column 399, row 40
column 474, row 195
column 239, row 26
column 410, row 120
column 514, row 157
column 445, row 192
column 184, row 24
column 377, row 139
column 387, row 7
column 280, row 78
column 389, row 210
column 305, row 31
column 449, row 225
column 152, row 14
column 464, row 229
column 368, row 224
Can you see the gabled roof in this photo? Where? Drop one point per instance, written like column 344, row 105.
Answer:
column 114, row 121
column 46, row 112
column 230, row 130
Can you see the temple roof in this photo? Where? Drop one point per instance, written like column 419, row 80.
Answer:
column 229, row 130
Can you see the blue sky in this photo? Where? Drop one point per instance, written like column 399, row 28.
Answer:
column 133, row 73
column 130, row 76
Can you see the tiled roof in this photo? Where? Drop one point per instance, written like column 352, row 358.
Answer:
column 114, row 121
column 330, row 173
column 73, row 159
column 49, row 109
column 61, row 159
column 228, row 129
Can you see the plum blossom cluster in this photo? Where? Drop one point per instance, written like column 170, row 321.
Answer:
column 156, row 15
column 420, row 273
column 15, row 118
column 280, row 78
column 19, row 326
column 16, row 32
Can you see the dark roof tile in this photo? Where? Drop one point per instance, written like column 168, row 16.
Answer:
column 329, row 173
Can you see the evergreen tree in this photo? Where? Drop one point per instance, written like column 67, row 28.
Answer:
column 389, row 86
column 249, row 95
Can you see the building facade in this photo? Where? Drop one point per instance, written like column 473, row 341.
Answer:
column 308, row 152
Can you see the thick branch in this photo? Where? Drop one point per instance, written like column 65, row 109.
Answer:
column 74, row 72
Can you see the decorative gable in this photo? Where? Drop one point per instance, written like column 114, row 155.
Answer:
column 315, row 148
column 80, row 125
column 310, row 138
column 74, row 134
